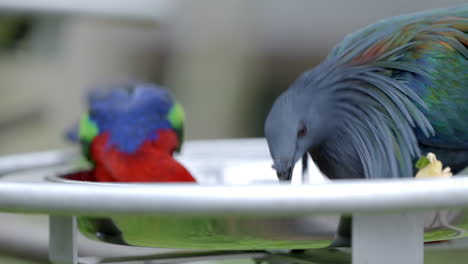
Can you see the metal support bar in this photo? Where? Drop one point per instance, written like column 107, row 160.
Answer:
column 181, row 257
column 388, row 238
column 62, row 240
column 138, row 10
column 312, row 256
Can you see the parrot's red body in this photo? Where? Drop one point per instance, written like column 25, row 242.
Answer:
column 152, row 162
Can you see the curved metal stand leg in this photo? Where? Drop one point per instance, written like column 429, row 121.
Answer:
column 62, row 240
column 388, row 238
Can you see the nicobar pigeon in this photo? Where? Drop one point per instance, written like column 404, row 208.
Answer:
column 384, row 97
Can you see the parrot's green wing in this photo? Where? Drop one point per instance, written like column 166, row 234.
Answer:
column 176, row 117
column 87, row 131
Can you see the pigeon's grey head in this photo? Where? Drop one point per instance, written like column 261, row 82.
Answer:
column 297, row 122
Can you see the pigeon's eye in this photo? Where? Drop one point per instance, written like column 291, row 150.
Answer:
column 302, row 131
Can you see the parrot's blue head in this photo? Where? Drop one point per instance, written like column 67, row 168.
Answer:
column 296, row 123
column 131, row 114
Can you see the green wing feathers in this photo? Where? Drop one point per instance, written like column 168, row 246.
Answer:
column 87, row 131
column 176, row 117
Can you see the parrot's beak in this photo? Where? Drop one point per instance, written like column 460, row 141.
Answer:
column 285, row 175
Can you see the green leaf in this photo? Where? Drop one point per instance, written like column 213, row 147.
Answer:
column 422, row 162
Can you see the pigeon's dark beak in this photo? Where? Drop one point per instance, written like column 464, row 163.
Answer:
column 285, row 175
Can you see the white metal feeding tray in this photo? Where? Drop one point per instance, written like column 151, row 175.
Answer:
column 218, row 214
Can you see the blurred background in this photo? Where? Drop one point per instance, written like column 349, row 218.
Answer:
column 225, row 61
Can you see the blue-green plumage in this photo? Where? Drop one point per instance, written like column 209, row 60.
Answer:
column 385, row 95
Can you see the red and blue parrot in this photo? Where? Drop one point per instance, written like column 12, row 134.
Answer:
column 130, row 133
